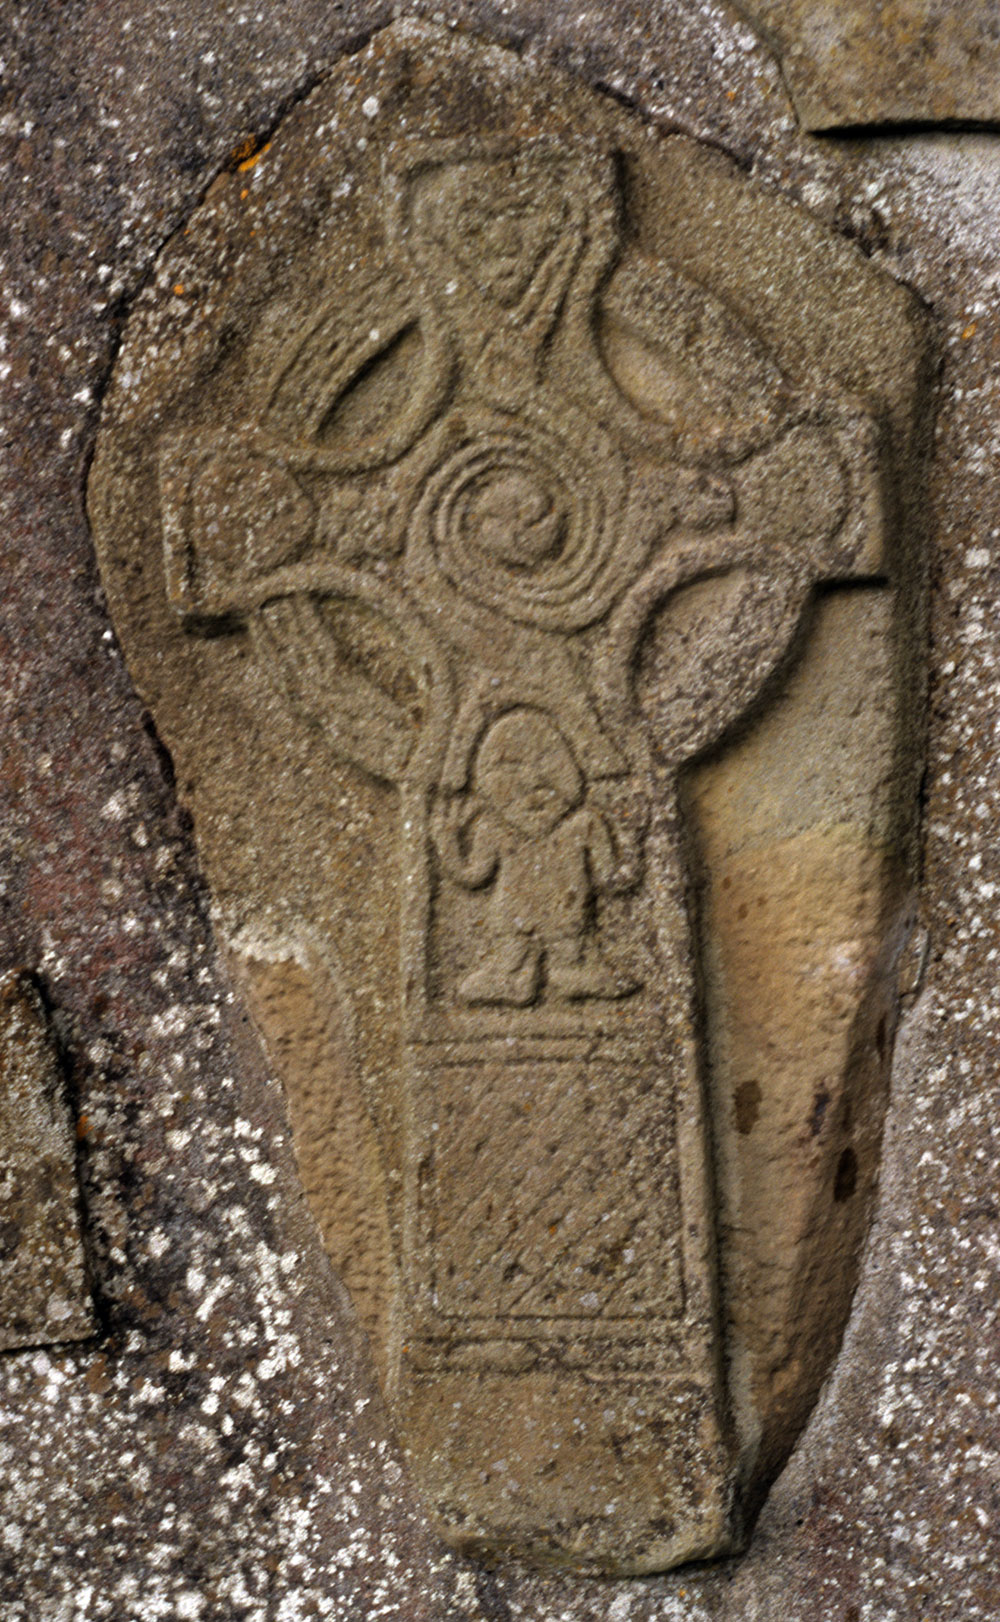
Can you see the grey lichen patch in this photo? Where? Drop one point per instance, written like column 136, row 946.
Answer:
column 862, row 62
column 44, row 1296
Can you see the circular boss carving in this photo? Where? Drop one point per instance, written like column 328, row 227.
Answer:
column 517, row 525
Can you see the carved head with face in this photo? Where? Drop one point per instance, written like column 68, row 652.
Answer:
column 497, row 223
column 525, row 772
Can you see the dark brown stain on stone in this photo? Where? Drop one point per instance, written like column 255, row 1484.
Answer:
column 747, row 1105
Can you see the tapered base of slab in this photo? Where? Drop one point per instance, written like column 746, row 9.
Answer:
column 576, row 1471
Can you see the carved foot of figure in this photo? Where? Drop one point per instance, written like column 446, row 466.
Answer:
column 510, row 977
column 587, row 977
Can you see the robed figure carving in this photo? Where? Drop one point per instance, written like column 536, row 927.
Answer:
column 520, row 569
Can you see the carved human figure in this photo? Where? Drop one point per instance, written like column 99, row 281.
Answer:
column 525, row 828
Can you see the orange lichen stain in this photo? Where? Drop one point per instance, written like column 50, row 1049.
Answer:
column 970, row 331
column 244, row 193
column 248, row 163
column 730, row 95
column 178, row 288
column 82, row 1126
column 244, row 150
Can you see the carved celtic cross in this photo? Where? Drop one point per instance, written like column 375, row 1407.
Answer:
column 521, row 566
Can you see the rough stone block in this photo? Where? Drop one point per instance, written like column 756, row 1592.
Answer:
column 44, row 1291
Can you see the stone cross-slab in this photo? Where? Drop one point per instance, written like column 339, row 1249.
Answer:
column 504, row 507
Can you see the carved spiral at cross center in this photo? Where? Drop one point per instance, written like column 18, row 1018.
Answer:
column 515, row 534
